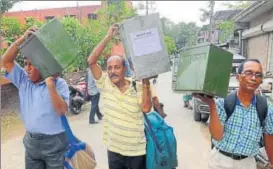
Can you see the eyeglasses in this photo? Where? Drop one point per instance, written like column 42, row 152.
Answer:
column 251, row 74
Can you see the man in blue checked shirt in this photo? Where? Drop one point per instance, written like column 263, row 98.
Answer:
column 42, row 102
column 236, row 140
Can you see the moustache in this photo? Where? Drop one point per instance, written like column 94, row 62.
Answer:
column 113, row 75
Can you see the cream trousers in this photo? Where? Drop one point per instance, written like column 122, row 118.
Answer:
column 220, row 161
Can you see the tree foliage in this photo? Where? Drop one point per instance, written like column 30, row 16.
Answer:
column 85, row 35
column 227, row 28
column 6, row 5
column 183, row 34
column 238, row 4
column 11, row 29
column 170, row 44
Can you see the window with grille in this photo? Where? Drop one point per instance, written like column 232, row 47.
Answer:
column 92, row 16
column 49, row 17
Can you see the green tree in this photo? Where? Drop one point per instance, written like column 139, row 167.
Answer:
column 170, row 43
column 88, row 35
column 11, row 29
column 238, row 4
column 183, row 34
column 186, row 34
column 31, row 22
column 6, row 5
column 227, row 27
column 168, row 26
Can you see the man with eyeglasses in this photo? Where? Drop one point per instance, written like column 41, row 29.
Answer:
column 236, row 137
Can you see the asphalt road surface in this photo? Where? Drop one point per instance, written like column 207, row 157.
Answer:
column 193, row 139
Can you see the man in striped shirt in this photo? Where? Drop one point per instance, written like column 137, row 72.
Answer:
column 123, row 106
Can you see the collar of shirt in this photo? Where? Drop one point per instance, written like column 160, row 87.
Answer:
column 130, row 88
column 44, row 83
column 253, row 100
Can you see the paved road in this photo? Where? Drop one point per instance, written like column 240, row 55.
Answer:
column 192, row 137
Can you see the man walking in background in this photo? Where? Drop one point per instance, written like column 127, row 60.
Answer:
column 94, row 94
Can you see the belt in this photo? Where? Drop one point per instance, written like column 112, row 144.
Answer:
column 41, row 136
column 233, row 156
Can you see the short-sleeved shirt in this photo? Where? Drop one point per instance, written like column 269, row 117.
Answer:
column 124, row 122
column 36, row 109
column 242, row 131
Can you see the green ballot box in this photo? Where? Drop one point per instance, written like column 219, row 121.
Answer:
column 50, row 49
column 203, row 69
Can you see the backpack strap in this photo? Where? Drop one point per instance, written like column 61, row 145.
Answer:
column 230, row 103
column 262, row 108
column 148, row 127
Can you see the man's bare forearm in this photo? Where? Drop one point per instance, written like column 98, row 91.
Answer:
column 98, row 50
column 269, row 147
column 156, row 104
column 12, row 51
column 10, row 54
column 146, row 97
column 93, row 58
column 57, row 101
column 215, row 126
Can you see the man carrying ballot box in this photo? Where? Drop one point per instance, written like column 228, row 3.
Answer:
column 42, row 101
column 124, row 106
column 237, row 130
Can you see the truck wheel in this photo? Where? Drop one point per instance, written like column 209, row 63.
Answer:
column 205, row 117
column 196, row 114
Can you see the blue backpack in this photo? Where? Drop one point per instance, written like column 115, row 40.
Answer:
column 161, row 143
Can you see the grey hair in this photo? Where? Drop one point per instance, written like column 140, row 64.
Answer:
column 117, row 57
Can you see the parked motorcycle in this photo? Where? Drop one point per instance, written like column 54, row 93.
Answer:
column 78, row 95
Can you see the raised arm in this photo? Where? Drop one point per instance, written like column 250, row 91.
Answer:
column 215, row 126
column 97, row 52
column 216, row 118
column 59, row 95
column 146, row 104
column 11, row 53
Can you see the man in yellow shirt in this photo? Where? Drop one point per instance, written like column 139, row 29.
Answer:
column 123, row 106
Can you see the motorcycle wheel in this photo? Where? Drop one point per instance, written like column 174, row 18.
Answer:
column 75, row 108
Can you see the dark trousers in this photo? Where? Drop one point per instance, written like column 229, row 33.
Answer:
column 95, row 108
column 118, row 161
column 45, row 151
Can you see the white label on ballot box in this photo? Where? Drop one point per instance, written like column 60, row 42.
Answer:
column 146, row 42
